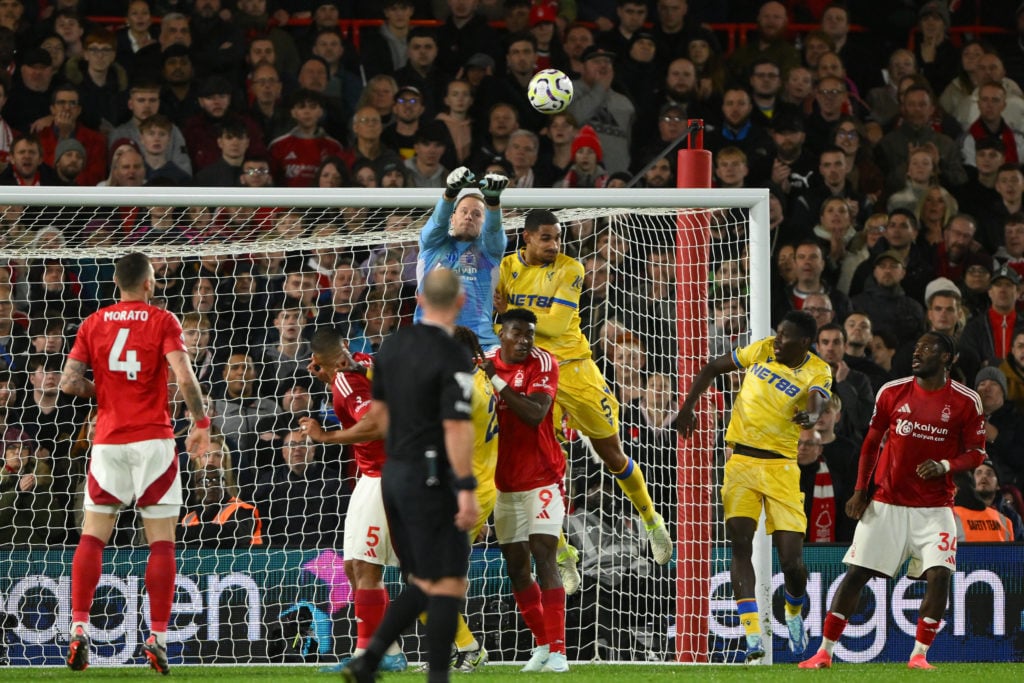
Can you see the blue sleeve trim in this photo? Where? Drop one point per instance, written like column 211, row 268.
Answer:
column 736, row 358
column 564, row 303
column 820, row 390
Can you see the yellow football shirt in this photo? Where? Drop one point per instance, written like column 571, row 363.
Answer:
column 485, row 426
column 770, row 395
column 552, row 292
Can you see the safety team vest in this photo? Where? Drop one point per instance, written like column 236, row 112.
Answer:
column 192, row 519
column 984, row 525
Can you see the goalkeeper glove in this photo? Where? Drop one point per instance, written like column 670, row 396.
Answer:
column 492, row 186
column 458, row 179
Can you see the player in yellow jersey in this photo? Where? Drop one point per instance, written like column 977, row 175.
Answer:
column 549, row 283
column 784, row 390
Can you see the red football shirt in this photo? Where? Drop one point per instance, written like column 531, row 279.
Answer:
column 352, row 400
column 126, row 345
column 918, row 425
column 528, row 457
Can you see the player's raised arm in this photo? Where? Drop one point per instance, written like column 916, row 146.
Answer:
column 494, row 238
column 372, row 427
column 719, row 366
column 435, row 232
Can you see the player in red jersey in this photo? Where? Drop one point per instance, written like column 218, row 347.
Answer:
column 368, row 547
column 933, row 427
column 530, row 509
column 128, row 346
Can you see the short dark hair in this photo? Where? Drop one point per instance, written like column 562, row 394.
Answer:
column 909, row 215
column 804, row 322
column 831, row 327
column 306, row 96
column 421, row 32
column 326, row 341
column 523, row 315
column 537, row 218
column 131, row 270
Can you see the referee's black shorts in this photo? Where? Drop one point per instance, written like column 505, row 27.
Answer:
column 421, row 520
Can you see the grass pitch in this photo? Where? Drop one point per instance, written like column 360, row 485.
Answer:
column 591, row 673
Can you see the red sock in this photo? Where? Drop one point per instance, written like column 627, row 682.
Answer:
column 529, row 602
column 370, row 605
column 926, row 632
column 160, row 571
column 833, row 627
column 554, row 615
column 86, row 568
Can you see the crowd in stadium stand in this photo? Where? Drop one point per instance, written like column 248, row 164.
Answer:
column 890, row 135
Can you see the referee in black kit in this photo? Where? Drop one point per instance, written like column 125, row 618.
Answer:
column 422, row 388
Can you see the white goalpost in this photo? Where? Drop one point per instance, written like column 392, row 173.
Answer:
column 673, row 277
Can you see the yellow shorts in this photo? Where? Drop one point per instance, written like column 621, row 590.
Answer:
column 486, row 495
column 753, row 483
column 583, row 394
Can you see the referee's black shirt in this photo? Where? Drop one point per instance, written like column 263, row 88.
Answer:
column 425, row 377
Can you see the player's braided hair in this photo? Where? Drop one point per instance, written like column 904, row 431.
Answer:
column 468, row 338
column 948, row 345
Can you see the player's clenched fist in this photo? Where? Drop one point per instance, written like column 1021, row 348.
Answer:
column 492, row 185
column 458, row 179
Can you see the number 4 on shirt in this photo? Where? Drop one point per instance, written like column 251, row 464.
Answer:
column 130, row 366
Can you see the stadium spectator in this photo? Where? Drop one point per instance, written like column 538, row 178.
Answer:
column 26, row 165
column 523, row 146
column 771, row 43
column 408, row 111
column 670, row 128
column 595, row 102
column 342, row 84
column 233, row 142
column 179, row 94
column 421, row 72
column 424, row 168
column 101, row 82
column 139, row 31
column 202, row 129
column 990, row 333
column 300, row 498
column 990, row 71
column 244, row 418
column 266, row 106
column 901, row 235
column 455, row 115
column 253, row 20
column 155, row 142
column 26, row 509
column 382, row 49
column 284, row 354
column 992, row 124
column 987, row 486
column 893, row 151
column 979, row 192
column 587, row 157
column 578, row 38
column 127, row 169
column 28, row 99
column 731, row 169
column 217, row 519
column 886, row 302
column 1009, row 185
column 810, row 266
column 1012, row 368
column 737, row 130
column 1004, row 425
column 63, row 124
column 828, row 473
column 218, row 45
column 464, row 33
column 143, row 102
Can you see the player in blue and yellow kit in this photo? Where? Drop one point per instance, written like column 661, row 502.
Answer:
column 542, row 279
column 784, row 390
column 464, row 234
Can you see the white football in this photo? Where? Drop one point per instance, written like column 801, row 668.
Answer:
column 550, row 91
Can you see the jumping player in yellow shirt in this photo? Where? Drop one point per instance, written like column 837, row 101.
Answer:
column 542, row 279
column 784, row 390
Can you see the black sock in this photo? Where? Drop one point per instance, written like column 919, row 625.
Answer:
column 442, row 621
column 401, row 613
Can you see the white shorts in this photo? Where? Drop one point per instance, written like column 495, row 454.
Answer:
column 143, row 471
column 521, row 514
column 888, row 534
column 367, row 537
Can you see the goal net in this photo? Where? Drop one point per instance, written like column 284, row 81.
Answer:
column 672, row 278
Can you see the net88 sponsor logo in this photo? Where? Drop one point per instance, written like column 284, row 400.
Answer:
column 42, row 606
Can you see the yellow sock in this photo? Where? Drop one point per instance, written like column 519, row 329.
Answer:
column 748, row 616
column 464, row 639
column 423, row 617
column 631, row 480
column 562, row 543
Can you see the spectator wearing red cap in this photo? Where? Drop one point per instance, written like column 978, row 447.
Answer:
column 587, row 157
column 544, row 28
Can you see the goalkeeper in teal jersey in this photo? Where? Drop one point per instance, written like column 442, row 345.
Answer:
column 465, row 234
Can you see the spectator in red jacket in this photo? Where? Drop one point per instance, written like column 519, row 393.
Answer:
column 65, row 107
